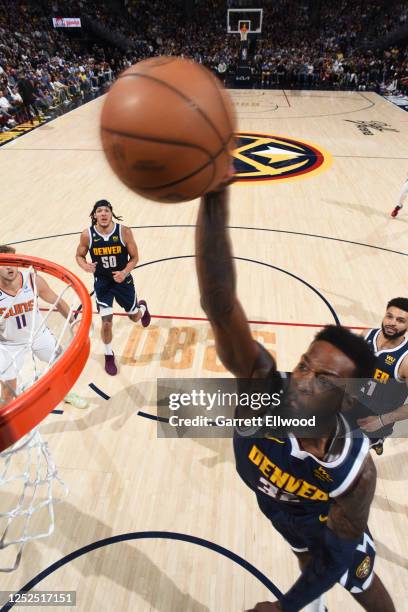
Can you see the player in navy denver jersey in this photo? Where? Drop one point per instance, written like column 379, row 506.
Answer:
column 114, row 255
column 316, row 492
column 385, row 396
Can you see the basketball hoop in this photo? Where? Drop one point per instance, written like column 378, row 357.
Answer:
column 27, row 471
column 32, row 406
column 243, row 32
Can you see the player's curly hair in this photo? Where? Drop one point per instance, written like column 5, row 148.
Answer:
column 102, row 203
column 355, row 347
column 399, row 302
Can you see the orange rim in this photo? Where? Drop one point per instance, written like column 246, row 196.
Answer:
column 31, row 407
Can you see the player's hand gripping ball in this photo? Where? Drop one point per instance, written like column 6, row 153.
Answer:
column 167, row 129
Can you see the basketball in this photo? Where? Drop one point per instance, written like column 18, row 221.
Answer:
column 167, row 129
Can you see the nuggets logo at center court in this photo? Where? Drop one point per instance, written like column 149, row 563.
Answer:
column 261, row 157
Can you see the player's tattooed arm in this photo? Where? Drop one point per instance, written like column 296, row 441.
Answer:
column 349, row 514
column 235, row 345
column 82, row 251
column 345, row 527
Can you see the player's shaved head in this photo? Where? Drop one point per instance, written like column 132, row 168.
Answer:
column 355, row 347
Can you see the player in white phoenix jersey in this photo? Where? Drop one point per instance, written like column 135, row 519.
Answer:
column 22, row 326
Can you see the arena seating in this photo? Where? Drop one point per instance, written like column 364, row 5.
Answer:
column 336, row 45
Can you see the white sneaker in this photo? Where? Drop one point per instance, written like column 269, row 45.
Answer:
column 75, row 400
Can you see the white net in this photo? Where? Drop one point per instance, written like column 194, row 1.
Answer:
column 28, row 482
column 243, row 34
column 32, row 338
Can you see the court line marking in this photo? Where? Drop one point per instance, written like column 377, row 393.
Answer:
column 258, row 229
column 292, row 93
column 370, row 105
column 286, row 98
column 247, row 113
column 144, row 535
column 261, row 263
column 153, row 417
column 279, row 117
column 99, row 391
column 316, row 291
column 330, row 307
column 204, row 319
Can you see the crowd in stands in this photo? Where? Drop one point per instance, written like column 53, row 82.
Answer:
column 295, row 49
column 337, row 50
column 39, row 67
column 43, row 68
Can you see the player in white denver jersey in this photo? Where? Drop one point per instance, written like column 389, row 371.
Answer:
column 22, row 327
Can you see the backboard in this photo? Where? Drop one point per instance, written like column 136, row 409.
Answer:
column 252, row 18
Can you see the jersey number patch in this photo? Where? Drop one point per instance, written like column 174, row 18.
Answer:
column 109, row 262
column 21, row 321
column 267, row 487
column 368, row 388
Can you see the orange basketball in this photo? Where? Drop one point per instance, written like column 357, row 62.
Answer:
column 167, row 129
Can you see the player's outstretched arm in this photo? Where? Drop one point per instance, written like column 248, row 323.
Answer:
column 48, row 295
column 235, row 345
column 345, row 527
column 81, row 252
column 346, row 523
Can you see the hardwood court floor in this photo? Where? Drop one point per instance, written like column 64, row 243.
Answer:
column 336, row 253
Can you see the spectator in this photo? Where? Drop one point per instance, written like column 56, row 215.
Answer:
column 26, row 90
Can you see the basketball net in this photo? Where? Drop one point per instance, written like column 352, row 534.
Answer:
column 243, row 32
column 28, row 476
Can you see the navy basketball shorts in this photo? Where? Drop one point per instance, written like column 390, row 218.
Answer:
column 106, row 290
column 304, row 533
